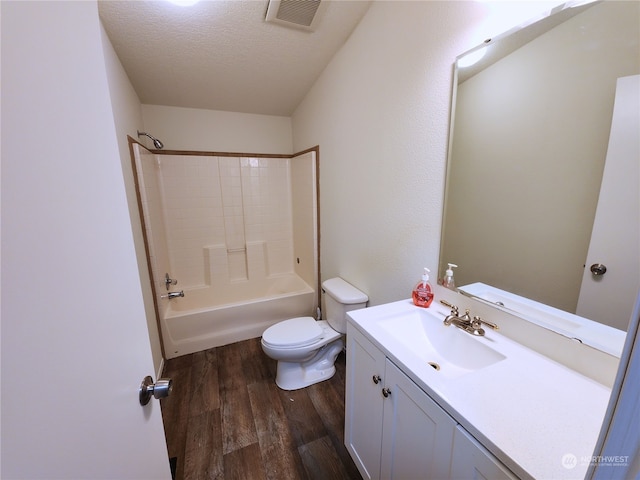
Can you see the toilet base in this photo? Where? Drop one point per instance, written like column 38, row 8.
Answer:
column 294, row 376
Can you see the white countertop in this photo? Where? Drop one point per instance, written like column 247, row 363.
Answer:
column 527, row 410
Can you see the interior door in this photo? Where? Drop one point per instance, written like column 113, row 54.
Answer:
column 75, row 346
column 615, row 242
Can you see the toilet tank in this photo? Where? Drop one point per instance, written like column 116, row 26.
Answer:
column 341, row 297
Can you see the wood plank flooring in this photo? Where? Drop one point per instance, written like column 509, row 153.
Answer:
column 227, row 419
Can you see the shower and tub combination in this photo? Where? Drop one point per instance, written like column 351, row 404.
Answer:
column 239, row 236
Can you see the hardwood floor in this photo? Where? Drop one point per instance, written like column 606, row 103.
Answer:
column 227, row 419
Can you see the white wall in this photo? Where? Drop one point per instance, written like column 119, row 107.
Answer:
column 127, row 115
column 217, row 131
column 380, row 114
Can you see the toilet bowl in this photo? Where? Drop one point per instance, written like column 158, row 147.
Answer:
column 306, row 349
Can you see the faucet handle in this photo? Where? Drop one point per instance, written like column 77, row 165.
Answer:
column 454, row 309
column 477, row 320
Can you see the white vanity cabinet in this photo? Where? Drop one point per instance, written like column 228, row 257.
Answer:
column 471, row 460
column 393, row 429
column 464, row 417
column 364, row 403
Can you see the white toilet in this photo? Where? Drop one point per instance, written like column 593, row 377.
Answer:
column 306, row 349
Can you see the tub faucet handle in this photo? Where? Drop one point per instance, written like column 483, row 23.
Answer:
column 168, row 281
column 171, row 295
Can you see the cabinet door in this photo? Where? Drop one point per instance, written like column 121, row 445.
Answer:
column 417, row 433
column 472, row 461
column 363, row 403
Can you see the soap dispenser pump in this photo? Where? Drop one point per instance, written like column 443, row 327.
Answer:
column 423, row 294
column 448, row 281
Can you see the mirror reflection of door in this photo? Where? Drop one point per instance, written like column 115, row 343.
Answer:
column 529, row 139
column 615, row 240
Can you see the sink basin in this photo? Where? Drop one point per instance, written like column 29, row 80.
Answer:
column 449, row 350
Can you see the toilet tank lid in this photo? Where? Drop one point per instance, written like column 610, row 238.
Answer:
column 343, row 292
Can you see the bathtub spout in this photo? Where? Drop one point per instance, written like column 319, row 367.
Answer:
column 171, row 295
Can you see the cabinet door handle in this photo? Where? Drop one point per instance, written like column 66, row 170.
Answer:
column 386, row 392
column 377, row 379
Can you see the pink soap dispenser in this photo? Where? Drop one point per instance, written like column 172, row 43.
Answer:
column 423, row 294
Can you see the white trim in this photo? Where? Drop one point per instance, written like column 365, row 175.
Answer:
column 160, row 369
column 619, row 435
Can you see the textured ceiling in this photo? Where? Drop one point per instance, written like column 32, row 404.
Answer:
column 222, row 55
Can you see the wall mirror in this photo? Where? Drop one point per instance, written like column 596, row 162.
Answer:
column 530, row 135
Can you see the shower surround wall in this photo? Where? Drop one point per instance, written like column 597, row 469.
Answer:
column 235, row 232
column 228, row 219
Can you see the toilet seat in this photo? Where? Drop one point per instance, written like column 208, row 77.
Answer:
column 293, row 333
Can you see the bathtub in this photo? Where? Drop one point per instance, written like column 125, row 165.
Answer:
column 213, row 316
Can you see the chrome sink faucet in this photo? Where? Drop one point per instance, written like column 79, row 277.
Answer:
column 465, row 322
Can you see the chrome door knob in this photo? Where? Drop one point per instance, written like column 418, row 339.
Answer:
column 376, row 379
column 598, row 269
column 386, row 392
column 161, row 389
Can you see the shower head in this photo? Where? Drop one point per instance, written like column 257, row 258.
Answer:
column 156, row 143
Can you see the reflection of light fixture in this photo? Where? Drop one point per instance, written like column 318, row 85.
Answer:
column 472, row 58
column 506, row 15
column 184, row 3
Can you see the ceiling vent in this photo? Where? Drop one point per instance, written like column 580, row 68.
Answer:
column 301, row 14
